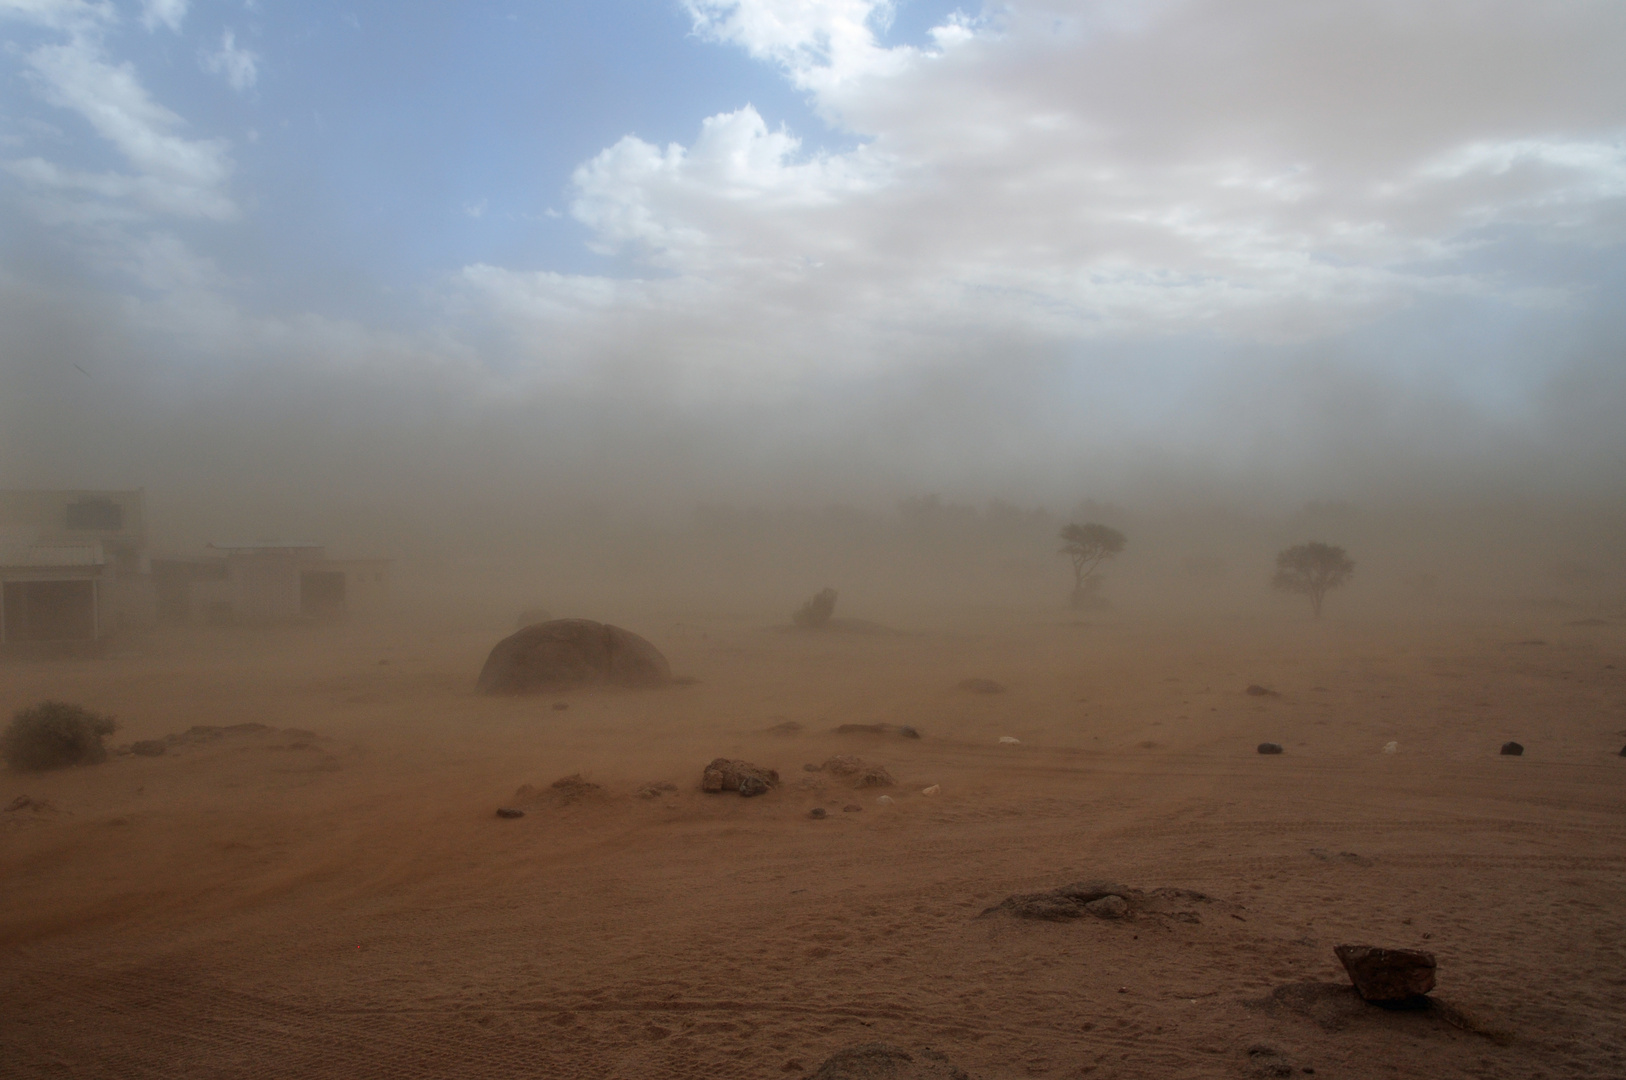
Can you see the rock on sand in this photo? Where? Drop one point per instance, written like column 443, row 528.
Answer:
column 730, row 774
column 1388, row 974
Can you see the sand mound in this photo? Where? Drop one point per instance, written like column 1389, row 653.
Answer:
column 572, row 652
column 564, row 791
column 883, row 1061
column 901, row 730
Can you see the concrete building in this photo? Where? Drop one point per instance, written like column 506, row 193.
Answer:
column 73, row 565
column 269, row 581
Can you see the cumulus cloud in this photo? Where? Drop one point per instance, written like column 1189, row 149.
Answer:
column 240, row 67
column 1271, row 170
column 820, row 44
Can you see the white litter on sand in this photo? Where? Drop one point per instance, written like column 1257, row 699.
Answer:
column 1006, row 739
column 1390, row 747
column 933, row 790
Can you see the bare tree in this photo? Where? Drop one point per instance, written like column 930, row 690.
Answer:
column 817, row 611
column 1311, row 569
column 1088, row 546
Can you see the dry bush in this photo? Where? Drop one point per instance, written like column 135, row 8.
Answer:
column 53, row 735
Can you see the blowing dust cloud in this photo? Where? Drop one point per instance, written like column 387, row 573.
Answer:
column 830, row 538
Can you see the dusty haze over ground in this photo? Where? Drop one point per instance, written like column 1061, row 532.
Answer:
column 671, row 315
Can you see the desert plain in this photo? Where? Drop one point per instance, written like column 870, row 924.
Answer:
column 334, row 895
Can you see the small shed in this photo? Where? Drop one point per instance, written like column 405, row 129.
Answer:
column 50, row 593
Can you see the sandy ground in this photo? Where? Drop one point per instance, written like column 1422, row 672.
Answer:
column 273, row 905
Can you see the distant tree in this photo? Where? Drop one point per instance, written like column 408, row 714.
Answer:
column 1088, row 546
column 817, row 611
column 1311, row 569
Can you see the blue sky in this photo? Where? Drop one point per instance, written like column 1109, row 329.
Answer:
column 1233, row 241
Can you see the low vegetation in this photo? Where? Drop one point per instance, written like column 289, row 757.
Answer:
column 54, row 735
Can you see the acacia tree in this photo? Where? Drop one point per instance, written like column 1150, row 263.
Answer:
column 1311, row 569
column 1088, row 546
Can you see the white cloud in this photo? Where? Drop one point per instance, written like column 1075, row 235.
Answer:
column 175, row 175
column 739, row 190
column 1268, row 170
column 820, row 43
column 170, row 13
column 239, row 66
column 68, row 15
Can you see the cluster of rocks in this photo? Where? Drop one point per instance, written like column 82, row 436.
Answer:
column 204, row 734
column 1103, row 899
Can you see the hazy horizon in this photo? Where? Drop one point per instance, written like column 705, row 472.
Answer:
column 410, row 278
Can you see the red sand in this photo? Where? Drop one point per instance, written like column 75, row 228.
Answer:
column 353, row 907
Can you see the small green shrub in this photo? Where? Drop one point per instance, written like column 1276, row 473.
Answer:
column 53, row 735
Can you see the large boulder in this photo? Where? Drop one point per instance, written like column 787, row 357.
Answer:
column 1388, row 975
column 563, row 653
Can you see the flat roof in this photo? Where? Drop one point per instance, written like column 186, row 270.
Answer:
column 268, row 545
column 35, row 556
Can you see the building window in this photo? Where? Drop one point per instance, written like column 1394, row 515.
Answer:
column 100, row 515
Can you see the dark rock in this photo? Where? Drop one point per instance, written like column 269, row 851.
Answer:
column 881, row 1061
column 817, row 813
column 981, row 686
column 148, row 747
column 1512, row 749
column 789, row 727
column 729, row 774
column 571, row 652
column 509, row 812
column 1270, row 748
column 1623, row 751
column 852, row 808
column 1388, row 975
column 1255, row 690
